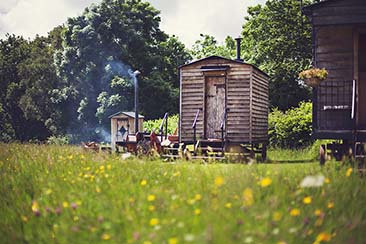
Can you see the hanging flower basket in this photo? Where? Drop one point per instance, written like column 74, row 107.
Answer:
column 312, row 77
column 313, row 82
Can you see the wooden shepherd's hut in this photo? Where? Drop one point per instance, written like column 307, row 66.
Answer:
column 339, row 46
column 122, row 125
column 223, row 105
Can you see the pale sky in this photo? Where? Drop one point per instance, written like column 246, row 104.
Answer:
column 186, row 19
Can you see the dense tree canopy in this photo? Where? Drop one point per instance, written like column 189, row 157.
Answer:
column 207, row 46
column 27, row 79
column 70, row 81
column 277, row 38
column 102, row 47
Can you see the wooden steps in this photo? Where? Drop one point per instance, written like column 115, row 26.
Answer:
column 208, row 149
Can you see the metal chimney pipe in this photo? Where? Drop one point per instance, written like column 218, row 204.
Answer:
column 135, row 74
column 238, row 41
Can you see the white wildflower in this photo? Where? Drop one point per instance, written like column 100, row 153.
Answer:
column 313, row 181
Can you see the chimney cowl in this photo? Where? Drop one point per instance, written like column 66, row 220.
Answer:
column 238, row 54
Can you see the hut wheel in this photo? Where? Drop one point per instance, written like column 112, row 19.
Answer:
column 322, row 154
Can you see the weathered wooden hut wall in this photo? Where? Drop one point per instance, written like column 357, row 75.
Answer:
column 334, row 52
column 246, row 100
column 259, row 112
column 338, row 12
column 191, row 99
column 238, row 126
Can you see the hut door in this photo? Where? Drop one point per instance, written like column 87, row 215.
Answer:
column 215, row 106
column 123, row 128
column 362, row 82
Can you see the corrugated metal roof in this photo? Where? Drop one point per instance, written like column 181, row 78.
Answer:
column 129, row 114
column 319, row 4
column 219, row 57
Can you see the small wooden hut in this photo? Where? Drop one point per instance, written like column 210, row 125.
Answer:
column 339, row 45
column 223, row 101
column 122, row 125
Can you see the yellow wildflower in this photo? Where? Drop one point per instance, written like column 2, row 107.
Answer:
column 147, row 242
column 173, row 240
column 265, row 182
column 295, row 212
column 101, row 168
column 109, row 166
column 276, row 216
column 143, row 183
column 154, row 221
column 322, row 237
column 35, row 206
column 349, row 172
column 92, row 229
column 176, row 174
column 327, row 180
column 197, row 211
column 191, row 201
column 151, row 198
column 198, row 197
column 317, row 212
column 228, row 205
column 65, row 204
column 151, row 208
column 219, row 181
column 330, row 204
column 106, row 237
column 319, row 222
column 97, row 189
column 48, row 191
column 307, row 200
column 248, row 199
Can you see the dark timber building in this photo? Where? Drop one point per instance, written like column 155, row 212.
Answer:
column 339, row 45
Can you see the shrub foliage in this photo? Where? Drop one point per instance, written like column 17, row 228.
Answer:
column 291, row 129
column 154, row 125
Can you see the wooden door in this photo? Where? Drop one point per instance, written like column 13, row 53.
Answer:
column 122, row 129
column 361, row 105
column 214, row 106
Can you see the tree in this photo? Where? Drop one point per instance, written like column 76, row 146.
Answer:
column 208, row 46
column 38, row 78
column 13, row 50
column 27, row 79
column 100, row 50
column 277, row 38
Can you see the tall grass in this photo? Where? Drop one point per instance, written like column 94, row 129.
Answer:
column 62, row 194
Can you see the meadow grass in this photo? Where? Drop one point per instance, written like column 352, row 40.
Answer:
column 62, row 194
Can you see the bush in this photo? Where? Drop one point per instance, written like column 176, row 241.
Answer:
column 58, row 140
column 151, row 125
column 291, row 129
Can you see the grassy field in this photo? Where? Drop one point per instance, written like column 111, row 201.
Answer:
column 53, row 194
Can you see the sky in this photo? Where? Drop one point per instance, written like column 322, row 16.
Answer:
column 186, row 19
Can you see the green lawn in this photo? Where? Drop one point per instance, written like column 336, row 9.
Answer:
column 51, row 194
